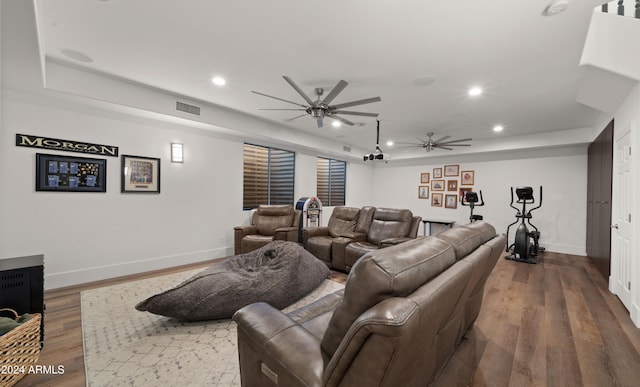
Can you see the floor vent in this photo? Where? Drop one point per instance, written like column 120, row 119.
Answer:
column 183, row 107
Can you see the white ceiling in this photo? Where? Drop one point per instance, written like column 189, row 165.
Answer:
column 527, row 63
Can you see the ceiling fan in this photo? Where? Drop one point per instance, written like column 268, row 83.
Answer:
column 430, row 144
column 321, row 108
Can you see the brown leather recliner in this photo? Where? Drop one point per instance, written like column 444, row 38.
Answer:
column 328, row 243
column 402, row 313
column 389, row 227
column 268, row 223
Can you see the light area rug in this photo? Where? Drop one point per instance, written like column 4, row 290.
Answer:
column 123, row 346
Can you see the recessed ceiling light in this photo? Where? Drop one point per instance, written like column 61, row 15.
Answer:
column 218, row 81
column 475, row 91
column 498, row 128
column 555, row 7
column 389, row 143
column 335, row 124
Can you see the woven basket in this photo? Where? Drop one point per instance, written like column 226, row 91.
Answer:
column 19, row 349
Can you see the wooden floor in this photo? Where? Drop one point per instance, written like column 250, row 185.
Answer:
column 550, row 324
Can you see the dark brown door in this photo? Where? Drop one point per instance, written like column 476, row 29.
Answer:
column 599, row 180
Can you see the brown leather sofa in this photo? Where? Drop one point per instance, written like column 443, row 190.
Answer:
column 268, row 223
column 402, row 313
column 389, row 227
column 328, row 243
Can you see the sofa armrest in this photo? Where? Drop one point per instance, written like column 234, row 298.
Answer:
column 240, row 232
column 393, row 241
column 286, row 234
column 395, row 319
column 354, row 236
column 268, row 338
column 310, row 232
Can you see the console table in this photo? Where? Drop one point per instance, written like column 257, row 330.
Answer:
column 448, row 223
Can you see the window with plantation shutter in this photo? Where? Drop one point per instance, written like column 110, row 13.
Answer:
column 331, row 177
column 268, row 176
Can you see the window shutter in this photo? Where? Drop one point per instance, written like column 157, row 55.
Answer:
column 331, row 178
column 268, row 176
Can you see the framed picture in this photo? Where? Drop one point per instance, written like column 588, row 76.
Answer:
column 423, row 192
column 451, row 201
column 140, row 174
column 424, row 177
column 452, row 185
column 463, row 191
column 70, row 174
column 437, row 185
column 451, row 170
column 467, row 177
column 436, row 200
column 437, row 173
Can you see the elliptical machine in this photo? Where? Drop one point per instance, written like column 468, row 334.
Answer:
column 522, row 248
column 470, row 199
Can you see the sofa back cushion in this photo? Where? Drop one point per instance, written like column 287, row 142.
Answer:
column 343, row 220
column 364, row 219
column 468, row 237
column 389, row 223
column 395, row 271
column 268, row 219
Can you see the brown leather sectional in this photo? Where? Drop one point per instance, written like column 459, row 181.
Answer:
column 352, row 232
column 403, row 312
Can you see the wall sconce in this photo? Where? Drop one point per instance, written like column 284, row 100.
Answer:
column 177, row 156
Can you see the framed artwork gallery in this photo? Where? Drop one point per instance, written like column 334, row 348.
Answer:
column 70, row 174
column 140, row 174
column 436, row 200
column 467, row 177
column 424, row 178
column 437, row 185
column 423, row 192
column 451, row 170
column 451, row 201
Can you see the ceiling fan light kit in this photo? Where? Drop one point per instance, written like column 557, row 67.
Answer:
column 321, row 107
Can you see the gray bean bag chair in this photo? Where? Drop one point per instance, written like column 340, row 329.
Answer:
column 279, row 273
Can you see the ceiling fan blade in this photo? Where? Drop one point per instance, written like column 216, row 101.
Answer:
column 443, row 138
column 452, row 141
column 279, row 99
column 319, row 121
column 343, row 120
column 355, row 113
column 354, row 103
column 298, row 110
column 334, row 92
column 299, row 90
column 295, row 118
column 445, row 144
column 444, row 147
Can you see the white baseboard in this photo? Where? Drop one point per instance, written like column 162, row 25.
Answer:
column 75, row 277
column 564, row 249
column 635, row 314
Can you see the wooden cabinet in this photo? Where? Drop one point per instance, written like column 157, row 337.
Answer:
column 599, row 180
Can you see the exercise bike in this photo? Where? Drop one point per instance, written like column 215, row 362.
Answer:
column 526, row 243
column 470, row 199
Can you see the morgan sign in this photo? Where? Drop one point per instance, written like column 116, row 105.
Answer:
column 65, row 145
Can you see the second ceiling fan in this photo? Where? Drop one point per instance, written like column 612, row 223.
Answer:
column 322, row 107
column 431, row 144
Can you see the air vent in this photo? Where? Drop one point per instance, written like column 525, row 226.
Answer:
column 346, row 148
column 183, row 107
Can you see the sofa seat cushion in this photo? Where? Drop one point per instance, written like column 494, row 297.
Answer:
column 395, row 271
column 279, row 273
column 320, row 246
column 467, row 238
